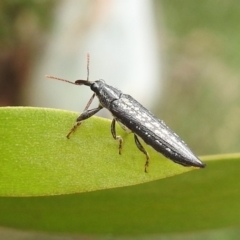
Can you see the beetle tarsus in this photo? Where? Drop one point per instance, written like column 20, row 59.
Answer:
column 142, row 149
column 74, row 129
column 119, row 138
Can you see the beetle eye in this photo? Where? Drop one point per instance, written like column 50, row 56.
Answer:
column 101, row 80
column 95, row 86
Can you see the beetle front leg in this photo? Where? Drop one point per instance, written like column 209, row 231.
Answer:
column 142, row 149
column 119, row 138
column 85, row 115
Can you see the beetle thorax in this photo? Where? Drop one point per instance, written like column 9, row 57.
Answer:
column 105, row 93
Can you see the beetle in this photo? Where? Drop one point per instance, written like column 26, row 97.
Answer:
column 135, row 118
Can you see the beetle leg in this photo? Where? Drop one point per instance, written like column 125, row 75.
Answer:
column 119, row 138
column 89, row 102
column 85, row 115
column 142, row 149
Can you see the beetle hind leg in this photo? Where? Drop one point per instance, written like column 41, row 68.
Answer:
column 119, row 138
column 142, row 149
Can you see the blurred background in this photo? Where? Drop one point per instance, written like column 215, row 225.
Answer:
column 180, row 59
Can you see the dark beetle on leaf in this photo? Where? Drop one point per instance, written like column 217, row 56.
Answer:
column 135, row 118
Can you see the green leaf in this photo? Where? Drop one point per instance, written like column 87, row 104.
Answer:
column 37, row 159
column 190, row 202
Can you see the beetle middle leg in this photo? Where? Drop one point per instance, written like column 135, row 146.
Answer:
column 142, row 149
column 119, row 138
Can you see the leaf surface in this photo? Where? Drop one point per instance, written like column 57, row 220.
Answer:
column 37, row 159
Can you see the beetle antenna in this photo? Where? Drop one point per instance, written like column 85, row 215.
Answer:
column 60, row 79
column 77, row 82
column 88, row 59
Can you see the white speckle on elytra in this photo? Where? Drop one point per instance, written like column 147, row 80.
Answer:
column 168, row 149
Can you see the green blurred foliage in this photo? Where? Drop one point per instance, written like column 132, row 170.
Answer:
column 18, row 16
column 23, row 26
column 202, row 54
